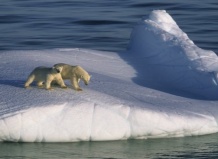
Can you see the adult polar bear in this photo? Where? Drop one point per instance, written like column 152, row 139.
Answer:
column 74, row 73
column 45, row 75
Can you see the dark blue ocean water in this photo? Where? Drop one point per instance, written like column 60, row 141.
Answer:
column 103, row 25
column 97, row 24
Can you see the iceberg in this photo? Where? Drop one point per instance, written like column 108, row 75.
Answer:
column 163, row 85
column 171, row 59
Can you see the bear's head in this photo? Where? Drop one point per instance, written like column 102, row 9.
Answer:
column 86, row 79
column 57, row 69
column 82, row 74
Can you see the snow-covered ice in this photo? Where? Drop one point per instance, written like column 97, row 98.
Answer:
column 163, row 85
column 171, row 58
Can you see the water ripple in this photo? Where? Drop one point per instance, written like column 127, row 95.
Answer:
column 69, row 23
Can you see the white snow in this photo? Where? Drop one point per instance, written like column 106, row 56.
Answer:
column 171, row 58
column 162, row 86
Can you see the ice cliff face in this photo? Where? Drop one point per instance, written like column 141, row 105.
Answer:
column 175, row 60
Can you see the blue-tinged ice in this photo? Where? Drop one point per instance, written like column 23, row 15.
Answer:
column 162, row 86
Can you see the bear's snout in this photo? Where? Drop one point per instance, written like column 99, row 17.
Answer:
column 57, row 70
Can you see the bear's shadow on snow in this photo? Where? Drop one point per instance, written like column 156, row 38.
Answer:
column 14, row 83
column 144, row 77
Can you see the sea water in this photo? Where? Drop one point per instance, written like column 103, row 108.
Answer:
column 202, row 147
column 103, row 25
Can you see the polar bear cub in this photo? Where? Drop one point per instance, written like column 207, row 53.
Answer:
column 74, row 73
column 45, row 75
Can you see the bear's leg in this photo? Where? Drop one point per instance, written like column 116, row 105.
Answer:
column 29, row 81
column 75, row 84
column 48, row 83
column 40, row 83
column 60, row 81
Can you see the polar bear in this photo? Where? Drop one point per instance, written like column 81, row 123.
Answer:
column 74, row 73
column 45, row 75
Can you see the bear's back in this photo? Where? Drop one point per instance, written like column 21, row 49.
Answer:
column 42, row 69
column 66, row 72
column 41, row 72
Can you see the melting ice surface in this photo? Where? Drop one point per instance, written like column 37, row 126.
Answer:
column 162, row 86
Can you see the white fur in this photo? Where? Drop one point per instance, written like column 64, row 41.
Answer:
column 45, row 75
column 74, row 74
